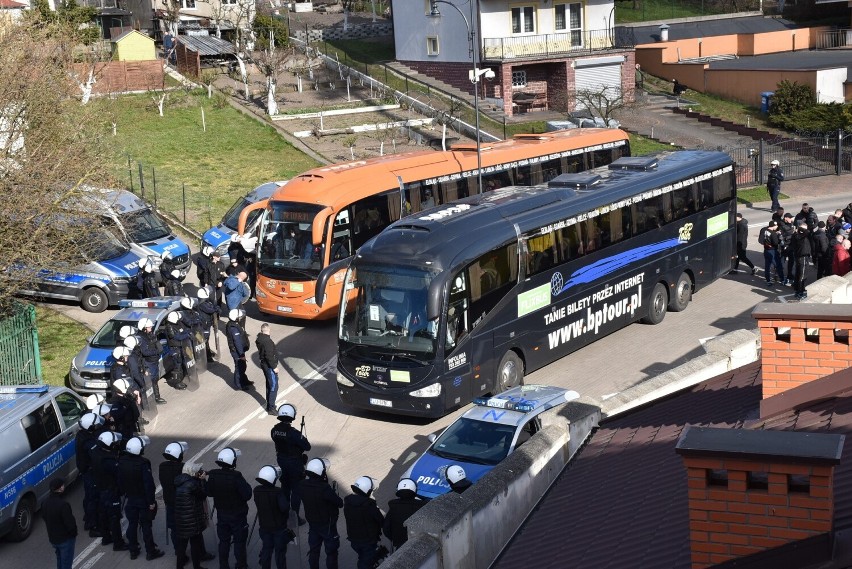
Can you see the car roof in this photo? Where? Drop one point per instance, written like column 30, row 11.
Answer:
column 529, row 400
column 19, row 396
column 139, row 312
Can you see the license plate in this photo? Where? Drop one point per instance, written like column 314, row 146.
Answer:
column 285, row 309
column 96, row 384
column 380, row 402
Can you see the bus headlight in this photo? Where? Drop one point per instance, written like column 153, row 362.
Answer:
column 259, row 293
column 433, row 390
column 341, row 379
column 313, row 300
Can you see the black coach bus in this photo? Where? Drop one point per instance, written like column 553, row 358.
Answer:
column 463, row 299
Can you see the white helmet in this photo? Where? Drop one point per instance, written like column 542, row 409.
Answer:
column 142, row 262
column 175, row 274
column 269, row 474
column 775, row 163
column 175, row 450
column 126, row 331
column 109, row 439
column 94, row 400
column 203, row 293
column 455, row 474
column 406, row 484
column 166, row 255
column 318, row 466
column 286, row 412
column 145, row 323
column 207, row 250
column 102, row 409
column 90, row 421
column 131, row 342
column 120, row 352
column 173, row 316
column 228, row 457
column 186, row 302
column 148, row 268
column 235, row 314
column 365, row 484
column 121, row 385
column 137, row 444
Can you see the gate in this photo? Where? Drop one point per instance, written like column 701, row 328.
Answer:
column 20, row 362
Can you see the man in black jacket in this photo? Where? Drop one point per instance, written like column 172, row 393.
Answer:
column 206, row 312
column 231, row 494
column 179, row 339
column 105, row 465
column 170, row 469
column 268, row 355
column 399, row 510
column 61, row 525
column 771, row 252
column 322, row 509
column 773, row 183
column 807, row 216
column 238, row 346
column 823, row 252
column 290, row 448
column 137, row 482
column 272, row 511
column 191, row 513
column 91, row 425
column 151, row 350
column 364, row 522
column 742, row 244
column 786, row 230
column 801, row 248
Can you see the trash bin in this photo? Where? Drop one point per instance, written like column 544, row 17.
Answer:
column 766, row 101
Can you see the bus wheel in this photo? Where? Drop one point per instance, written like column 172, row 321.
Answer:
column 94, row 300
column 510, row 373
column 657, row 306
column 22, row 524
column 682, row 294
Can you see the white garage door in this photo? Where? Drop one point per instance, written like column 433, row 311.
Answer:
column 593, row 75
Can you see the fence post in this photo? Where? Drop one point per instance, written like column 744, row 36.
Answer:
column 183, row 190
column 759, row 172
column 154, row 177
column 406, row 84
column 838, row 167
column 386, row 73
column 141, row 180
column 130, row 172
column 504, row 127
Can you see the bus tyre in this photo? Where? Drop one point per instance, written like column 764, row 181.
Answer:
column 94, row 300
column 22, row 524
column 657, row 306
column 682, row 294
column 510, row 373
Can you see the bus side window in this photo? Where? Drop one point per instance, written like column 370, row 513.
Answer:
column 522, row 176
column 536, row 175
column 573, row 164
column 550, row 169
column 593, row 236
column 620, row 223
column 683, row 201
column 371, row 215
column 541, row 253
column 491, row 277
column 449, row 191
column 569, row 243
column 341, row 237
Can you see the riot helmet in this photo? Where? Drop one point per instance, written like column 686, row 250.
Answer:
column 269, row 474
column 286, row 412
column 174, row 451
column 91, row 421
column 405, row 486
column 318, row 467
column 186, row 302
column 364, row 485
column 227, row 457
column 136, row 445
column 109, row 439
column 455, row 474
column 173, row 317
column 145, row 323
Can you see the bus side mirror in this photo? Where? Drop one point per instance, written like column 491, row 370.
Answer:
column 318, row 227
column 324, row 275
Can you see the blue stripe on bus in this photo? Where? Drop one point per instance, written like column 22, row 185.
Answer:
column 36, row 474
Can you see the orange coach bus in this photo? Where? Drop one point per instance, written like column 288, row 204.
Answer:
column 327, row 213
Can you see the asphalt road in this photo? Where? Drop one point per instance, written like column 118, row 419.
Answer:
column 382, row 446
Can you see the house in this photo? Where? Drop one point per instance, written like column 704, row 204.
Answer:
column 112, row 16
column 544, row 53
column 220, row 18
column 11, row 11
column 749, row 469
column 133, row 46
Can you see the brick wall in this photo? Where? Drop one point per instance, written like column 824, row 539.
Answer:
column 120, row 76
column 451, row 73
column 359, row 31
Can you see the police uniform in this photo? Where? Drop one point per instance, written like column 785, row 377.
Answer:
column 150, row 349
column 399, row 510
column 85, row 442
column 178, row 336
column 150, row 288
column 322, row 509
column 272, row 511
column 168, row 471
column 290, row 449
column 205, row 311
column 230, row 493
column 238, row 345
column 173, row 286
column 139, row 369
column 363, row 527
column 137, row 482
column 105, row 467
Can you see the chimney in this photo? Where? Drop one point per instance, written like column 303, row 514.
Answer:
column 664, row 32
column 755, row 490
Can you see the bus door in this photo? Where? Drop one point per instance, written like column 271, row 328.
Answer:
column 459, row 384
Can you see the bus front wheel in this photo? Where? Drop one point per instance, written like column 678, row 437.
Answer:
column 510, row 373
column 657, row 306
column 682, row 294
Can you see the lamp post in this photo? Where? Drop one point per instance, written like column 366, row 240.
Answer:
column 474, row 74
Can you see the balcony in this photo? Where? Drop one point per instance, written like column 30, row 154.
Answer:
column 100, row 4
column 563, row 44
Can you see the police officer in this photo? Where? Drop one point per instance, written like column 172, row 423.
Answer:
column 363, row 522
column 206, row 310
column 173, row 283
column 124, row 408
column 217, row 275
column 91, row 426
column 150, row 288
column 457, row 479
column 151, row 350
column 178, row 336
column 238, row 345
column 272, row 510
column 167, row 265
column 105, row 465
column 399, row 510
column 231, row 494
column 290, row 448
column 322, row 508
column 137, row 482
column 202, row 262
column 139, row 369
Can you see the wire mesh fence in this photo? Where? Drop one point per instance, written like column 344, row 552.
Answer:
column 20, row 362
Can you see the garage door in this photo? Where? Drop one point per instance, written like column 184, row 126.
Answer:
column 593, row 75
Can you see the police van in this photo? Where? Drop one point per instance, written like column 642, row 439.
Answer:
column 38, row 425
column 219, row 237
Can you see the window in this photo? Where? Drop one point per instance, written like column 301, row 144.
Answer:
column 569, row 18
column 541, row 253
column 41, row 426
column 523, row 20
column 70, row 408
column 371, row 215
column 432, row 47
column 527, row 432
column 491, row 276
column 188, row 4
column 229, row 2
column 519, row 79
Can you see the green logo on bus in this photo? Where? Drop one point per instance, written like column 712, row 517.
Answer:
column 717, row 224
column 532, row 300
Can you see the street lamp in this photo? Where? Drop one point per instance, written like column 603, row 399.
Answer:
column 474, row 74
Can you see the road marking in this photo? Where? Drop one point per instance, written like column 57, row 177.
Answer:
column 88, row 564
column 85, row 553
column 609, row 395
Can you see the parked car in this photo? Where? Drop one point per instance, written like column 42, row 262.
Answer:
column 484, row 435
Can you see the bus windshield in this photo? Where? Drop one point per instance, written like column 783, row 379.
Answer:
column 388, row 312
column 285, row 250
column 144, row 225
column 232, row 218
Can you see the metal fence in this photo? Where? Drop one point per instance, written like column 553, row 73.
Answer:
column 20, row 362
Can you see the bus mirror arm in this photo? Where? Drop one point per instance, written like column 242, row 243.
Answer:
column 324, row 275
column 243, row 220
column 435, row 298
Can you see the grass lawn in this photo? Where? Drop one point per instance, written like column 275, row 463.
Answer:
column 233, row 156
column 59, row 338
column 648, row 10
column 757, row 194
column 640, row 145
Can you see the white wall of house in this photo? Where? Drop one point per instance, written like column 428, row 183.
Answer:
column 829, row 85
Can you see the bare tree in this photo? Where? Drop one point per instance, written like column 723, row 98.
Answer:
column 603, row 101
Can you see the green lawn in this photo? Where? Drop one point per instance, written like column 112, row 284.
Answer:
column 627, row 11
column 640, row 145
column 234, row 155
column 59, row 338
column 757, row 194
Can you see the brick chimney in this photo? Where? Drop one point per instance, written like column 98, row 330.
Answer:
column 755, row 490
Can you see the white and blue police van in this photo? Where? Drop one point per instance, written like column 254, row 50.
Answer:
column 89, row 371
column 219, row 237
column 38, row 426
column 484, row 435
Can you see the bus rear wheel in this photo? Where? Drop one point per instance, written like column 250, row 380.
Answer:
column 682, row 294
column 657, row 306
column 510, row 372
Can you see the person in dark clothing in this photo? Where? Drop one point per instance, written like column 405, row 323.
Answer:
column 771, row 254
column 91, row 426
column 168, row 471
column 268, row 355
column 206, row 311
column 236, row 265
column 238, row 346
column 178, row 339
column 237, row 255
column 778, row 215
column 773, row 183
column 137, row 482
column 231, row 494
column 822, row 251
column 124, row 408
column 364, row 522
column 801, row 251
column 139, row 370
column 786, row 229
column 457, row 479
column 60, row 523
column 150, row 288
column 272, row 511
column 151, row 350
column 832, row 226
column 290, row 448
column 678, row 88
column 322, row 509
column 167, row 265
column 742, row 244
column 216, row 276
column 105, row 464
column 173, row 283
column 400, row 509
column 807, row 216
column 202, row 264
column 847, row 213
column 190, row 506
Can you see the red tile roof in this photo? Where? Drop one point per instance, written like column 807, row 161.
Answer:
column 11, row 5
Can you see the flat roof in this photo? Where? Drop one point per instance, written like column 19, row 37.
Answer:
column 708, row 28
column 787, row 61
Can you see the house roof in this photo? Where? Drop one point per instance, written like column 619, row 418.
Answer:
column 787, row 61
column 207, row 45
column 622, row 501
column 708, row 28
column 126, row 33
column 11, row 5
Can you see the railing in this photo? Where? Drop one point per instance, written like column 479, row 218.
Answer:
column 833, row 38
column 20, row 363
column 554, row 45
column 101, row 4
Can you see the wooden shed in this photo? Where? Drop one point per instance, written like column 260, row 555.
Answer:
column 133, row 46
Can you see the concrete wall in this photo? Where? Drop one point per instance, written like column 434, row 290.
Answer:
column 830, row 85
column 746, row 85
